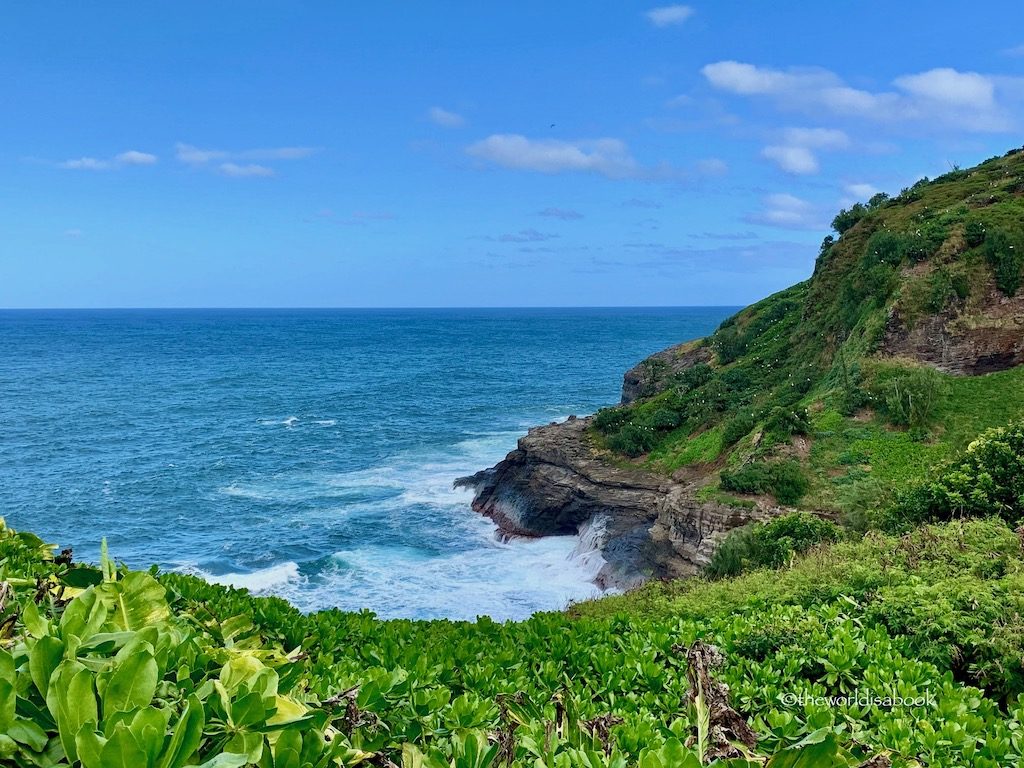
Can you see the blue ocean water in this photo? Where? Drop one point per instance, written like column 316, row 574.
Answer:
column 307, row 453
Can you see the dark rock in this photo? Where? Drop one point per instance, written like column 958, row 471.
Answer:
column 653, row 374
column 643, row 525
column 962, row 341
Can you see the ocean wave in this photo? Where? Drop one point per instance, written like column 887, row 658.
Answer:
column 272, row 580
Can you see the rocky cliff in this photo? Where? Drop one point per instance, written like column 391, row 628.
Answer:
column 817, row 395
column 644, row 525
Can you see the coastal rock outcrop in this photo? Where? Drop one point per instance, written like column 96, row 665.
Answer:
column 652, row 374
column 644, row 525
column 987, row 338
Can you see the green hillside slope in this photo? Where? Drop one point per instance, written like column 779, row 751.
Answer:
column 830, row 395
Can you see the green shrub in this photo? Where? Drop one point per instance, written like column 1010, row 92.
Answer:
column 771, row 544
column 737, row 428
column 911, row 396
column 633, row 440
column 730, row 344
column 974, row 233
column 987, row 480
column 847, row 219
column 1005, row 253
column 785, row 480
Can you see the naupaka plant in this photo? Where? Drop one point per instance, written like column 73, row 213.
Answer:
column 103, row 675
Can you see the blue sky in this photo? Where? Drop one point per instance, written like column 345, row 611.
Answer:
column 472, row 154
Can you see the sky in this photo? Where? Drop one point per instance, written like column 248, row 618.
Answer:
column 329, row 154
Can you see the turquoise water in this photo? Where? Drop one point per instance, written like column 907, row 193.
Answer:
column 308, row 454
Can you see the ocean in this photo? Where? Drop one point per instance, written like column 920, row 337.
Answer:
column 308, row 454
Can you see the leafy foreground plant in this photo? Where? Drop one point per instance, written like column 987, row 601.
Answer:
column 137, row 671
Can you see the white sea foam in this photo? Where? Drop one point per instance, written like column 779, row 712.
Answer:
column 421, row 552
column 273, row 580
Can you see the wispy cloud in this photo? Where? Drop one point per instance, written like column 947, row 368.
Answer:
column 941, row 97
column 565, row 214
column 607, row 157
column 134, row 157
column 130, row 157
column 250, row 170
column 85, row 164
column 522, row 236
column 445, row 118
column 669, row 15
column 234, row 163
column 787, row 212
column 797, row 155
column 1016, row 51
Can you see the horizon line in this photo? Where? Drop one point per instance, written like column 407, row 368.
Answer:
column 366, row 308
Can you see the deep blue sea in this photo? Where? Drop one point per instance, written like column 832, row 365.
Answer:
column 308, row 453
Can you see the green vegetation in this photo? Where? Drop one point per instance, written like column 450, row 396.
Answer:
column 772, row 544
column 780, row 369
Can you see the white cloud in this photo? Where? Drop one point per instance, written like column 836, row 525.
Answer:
column 134, row 157
column 276, row 153
column 191, row 155
column 712, row 166
column 201, row 158
column 787, row 212
column 861, row 191
column 85, row 164
column 250, row 170
column 608, row 157
column 947, row 87
column 817, row 138
column 443, row 117
column 940, row 97
column 748, row 80
column 525, row 236
column 669, row 15
column 565, row 214
column 795, row 160
column 1016, row 51
column 797, row 154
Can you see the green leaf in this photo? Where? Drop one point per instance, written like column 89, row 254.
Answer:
column 288, row 749
column 8, row 696
column 29, row 733
column 36, row 625
column 72, row 702
column 90, row 747
column 43, row 659
column 819, row 748
column 226, row 760
column 81, row 577
column 130, row 684
column 140, row 601
column 187, row 736
column 123, row 750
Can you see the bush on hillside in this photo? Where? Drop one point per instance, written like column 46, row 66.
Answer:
column 784, row 480
column 987, row 480
column 910, row 397
column 1006, row 255
column 770, row 545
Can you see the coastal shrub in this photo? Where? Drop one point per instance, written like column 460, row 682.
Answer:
column 1005, row 252
column 770, row 545
column 910, row 397
column 782, row 423
column 737, row 428
column 988, row 479
column 785, row 480
column 974, row 233
column 633, row 440
column 730, row 344
column 846, row 219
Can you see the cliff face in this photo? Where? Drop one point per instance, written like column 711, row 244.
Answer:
column 643, row 524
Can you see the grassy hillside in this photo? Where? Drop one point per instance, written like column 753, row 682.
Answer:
column 801, row 399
